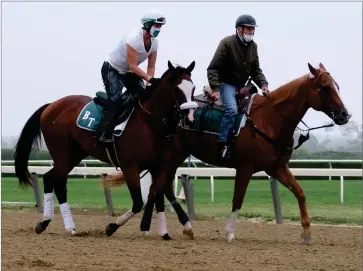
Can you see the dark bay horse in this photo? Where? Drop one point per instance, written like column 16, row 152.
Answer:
column 149, row 126
column 265, row 143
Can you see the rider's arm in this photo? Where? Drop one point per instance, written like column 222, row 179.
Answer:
column 132, row 61
column 256, row 73
column 216, row 65
column 151, row 63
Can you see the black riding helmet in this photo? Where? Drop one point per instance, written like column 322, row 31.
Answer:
column 245, row 20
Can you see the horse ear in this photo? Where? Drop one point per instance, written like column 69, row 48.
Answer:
column 312, row 69
column 190, row 68
column 171, row 67
column 321, row 66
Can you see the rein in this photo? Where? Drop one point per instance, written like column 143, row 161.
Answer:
column 165, row 121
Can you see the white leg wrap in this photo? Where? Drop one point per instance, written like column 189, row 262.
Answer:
column 121, row 220
column 187, row 226
column 48, row 206
column 67, row 217
column 231, row 225
column 161, row 223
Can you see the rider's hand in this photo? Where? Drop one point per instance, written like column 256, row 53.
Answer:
column 216, row 95
column 265, row 89
column 153, row 80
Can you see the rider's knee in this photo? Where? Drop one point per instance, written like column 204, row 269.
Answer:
column 230, row 111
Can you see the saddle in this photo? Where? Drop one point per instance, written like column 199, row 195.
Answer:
column 122, row 109
column 243, row 97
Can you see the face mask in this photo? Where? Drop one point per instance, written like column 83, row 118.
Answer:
column 247, row 37
column 154, row 32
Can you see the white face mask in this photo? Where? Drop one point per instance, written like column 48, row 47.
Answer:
column 247, row 37
column 154, row 31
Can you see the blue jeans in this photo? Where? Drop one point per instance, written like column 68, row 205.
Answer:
column 228, row 95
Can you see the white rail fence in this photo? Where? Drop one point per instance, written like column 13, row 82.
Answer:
column 186, row 172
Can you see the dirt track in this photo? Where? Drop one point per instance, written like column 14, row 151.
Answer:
column 260, row 246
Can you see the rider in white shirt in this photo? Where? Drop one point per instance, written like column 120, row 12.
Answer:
column 122, row 64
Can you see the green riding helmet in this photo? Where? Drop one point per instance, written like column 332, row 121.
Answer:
column 152, row 17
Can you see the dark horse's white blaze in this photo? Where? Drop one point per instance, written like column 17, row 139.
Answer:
column 187, row 87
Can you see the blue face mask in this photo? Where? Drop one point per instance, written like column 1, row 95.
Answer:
column 154, row 31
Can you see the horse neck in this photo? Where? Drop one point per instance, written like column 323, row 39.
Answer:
column 291, row 101
column 160, row 104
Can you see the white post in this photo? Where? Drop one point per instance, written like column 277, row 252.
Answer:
column 85, row 165
column 341, row 189
column 176, row 185
column 212, row 188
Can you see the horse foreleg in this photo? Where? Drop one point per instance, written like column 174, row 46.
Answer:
column 160, row 216
column 284, row 176
column 133, row 183
column 156, row 199
column 148, row 212
column 243, row 176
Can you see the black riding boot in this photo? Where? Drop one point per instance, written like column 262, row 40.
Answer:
column 105, row 128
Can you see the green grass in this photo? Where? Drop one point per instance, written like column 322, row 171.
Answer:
column 323, row 199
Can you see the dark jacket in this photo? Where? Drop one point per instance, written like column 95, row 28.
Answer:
column 233, row 63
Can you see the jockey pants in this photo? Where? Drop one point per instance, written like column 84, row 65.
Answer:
column 119, row 103
column 228, row 95
column 114, row 82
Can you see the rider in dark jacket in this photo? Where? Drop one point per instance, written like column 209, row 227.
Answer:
column 235, row 60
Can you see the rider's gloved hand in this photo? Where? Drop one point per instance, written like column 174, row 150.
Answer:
column 154, row 80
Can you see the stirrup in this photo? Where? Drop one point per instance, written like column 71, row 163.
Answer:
column 224, row 152
column 102, row 139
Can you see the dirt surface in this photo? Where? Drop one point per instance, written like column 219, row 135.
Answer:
column 259, row 246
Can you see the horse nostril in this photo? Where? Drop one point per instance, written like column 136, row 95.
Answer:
column 344, row 114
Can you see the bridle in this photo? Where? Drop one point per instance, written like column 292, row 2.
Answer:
column 166, row 122
column 302, row 138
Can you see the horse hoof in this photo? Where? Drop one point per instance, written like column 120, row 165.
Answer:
column 306, row 238
column 39, row 228
column 166, row 237
column 230, row 236
column 111, row 228
column 188, row 233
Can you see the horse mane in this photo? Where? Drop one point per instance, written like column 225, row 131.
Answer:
column 149, row 90
column 282, row 93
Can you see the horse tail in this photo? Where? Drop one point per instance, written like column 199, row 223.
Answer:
column 30, row 137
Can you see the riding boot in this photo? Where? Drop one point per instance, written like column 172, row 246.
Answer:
column 105, row 128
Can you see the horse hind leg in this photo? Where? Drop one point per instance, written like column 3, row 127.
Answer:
column 64, row 162
column 48, row 213
column 243, row 176
column 182, row 216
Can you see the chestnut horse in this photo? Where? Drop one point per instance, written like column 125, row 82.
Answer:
column 265, row 143
column 148, row 129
